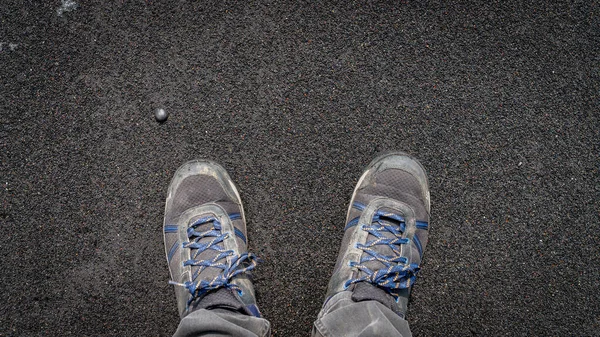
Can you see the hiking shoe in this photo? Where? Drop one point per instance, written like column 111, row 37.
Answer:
column 205, row 241
column 386, row 233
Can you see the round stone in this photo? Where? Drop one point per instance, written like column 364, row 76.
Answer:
column 161, row 115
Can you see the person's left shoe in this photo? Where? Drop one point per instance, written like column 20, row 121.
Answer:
column 205, row 241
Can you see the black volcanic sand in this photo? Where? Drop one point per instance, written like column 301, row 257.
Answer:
column 499, row 101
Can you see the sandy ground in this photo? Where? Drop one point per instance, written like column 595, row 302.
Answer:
column 499, row 100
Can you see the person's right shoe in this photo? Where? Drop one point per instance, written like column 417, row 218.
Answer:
column 386, row 233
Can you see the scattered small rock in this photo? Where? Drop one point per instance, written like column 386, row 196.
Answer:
column 66, row 6
column 161, row 115
column 11, row 46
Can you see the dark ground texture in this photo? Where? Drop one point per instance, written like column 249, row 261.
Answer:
column 499, row 100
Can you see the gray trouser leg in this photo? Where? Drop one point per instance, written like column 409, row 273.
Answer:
column 220, row 322
column 343, row 317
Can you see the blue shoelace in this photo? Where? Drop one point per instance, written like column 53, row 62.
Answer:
column 239, row 263
column 397, row 274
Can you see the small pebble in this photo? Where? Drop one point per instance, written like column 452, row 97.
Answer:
column 161, row 115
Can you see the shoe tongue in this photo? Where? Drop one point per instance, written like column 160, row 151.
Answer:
column 210, row 273
column 383, row 250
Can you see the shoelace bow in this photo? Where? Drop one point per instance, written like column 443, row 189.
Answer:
column 397, row 274
column 239, row 263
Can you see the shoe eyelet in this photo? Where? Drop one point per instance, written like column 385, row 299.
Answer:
column 240, row 292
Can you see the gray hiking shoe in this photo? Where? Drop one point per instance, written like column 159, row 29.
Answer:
column 386, row 233
column 205, row 241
